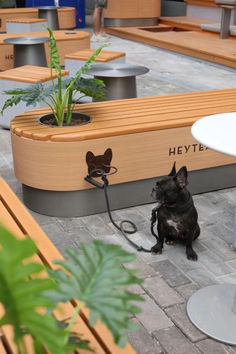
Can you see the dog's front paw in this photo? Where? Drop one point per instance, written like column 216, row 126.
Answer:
column 157, row 249
column 191, row 254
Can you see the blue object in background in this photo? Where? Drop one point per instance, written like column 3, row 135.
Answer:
column 78, row 4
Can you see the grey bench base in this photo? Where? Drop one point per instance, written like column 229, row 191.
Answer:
column 130, row 22
column 92, row 201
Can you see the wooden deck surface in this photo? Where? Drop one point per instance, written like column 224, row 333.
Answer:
column 135, row 115
column 189, row 40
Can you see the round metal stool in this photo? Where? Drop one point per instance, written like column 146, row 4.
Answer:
column 51, row 15
column 29, row 50
column 119, row 78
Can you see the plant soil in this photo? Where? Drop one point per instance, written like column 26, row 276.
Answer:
column 78, row 119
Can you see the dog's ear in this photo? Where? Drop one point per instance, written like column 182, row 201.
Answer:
column 173, row 171
column 108, row 156
column 182, row 177
column 89, row 157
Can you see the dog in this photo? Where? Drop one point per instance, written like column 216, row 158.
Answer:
column 175, row 212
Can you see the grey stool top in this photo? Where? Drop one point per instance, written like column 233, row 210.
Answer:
column 48, row 7
column 117, row 70
column 26, row 40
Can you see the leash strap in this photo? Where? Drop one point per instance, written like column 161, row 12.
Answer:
column 120, row 227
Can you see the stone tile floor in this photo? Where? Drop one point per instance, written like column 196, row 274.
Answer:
column 169, row 279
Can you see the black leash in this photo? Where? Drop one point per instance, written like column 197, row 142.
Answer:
column 120, row 227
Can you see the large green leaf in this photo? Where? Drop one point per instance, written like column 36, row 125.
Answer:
column 21, row 295
column 97, row 277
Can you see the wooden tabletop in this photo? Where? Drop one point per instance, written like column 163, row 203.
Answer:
column 59, row 35
column 104, row 56
column 120, row 117
column 27, row 20
column 30, row 74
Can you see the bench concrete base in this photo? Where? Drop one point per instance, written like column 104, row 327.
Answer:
column 123, row 195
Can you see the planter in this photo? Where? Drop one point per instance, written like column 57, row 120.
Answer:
column 51, row 162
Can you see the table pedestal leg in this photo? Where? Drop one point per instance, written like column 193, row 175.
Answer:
column 30, row 54
column 119, row 87
column 213, row 310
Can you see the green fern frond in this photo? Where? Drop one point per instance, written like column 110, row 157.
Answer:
column 97, row 278
column 21, row 295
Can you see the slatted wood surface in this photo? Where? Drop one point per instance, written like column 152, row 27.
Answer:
column 121, row 117
column 103, row 57
column 196, row 43
column 59, row 35
column 185, row 22
column 27, row 20
column 67, row 42
column 66, row 16
column 16, row 218
column 30, row 74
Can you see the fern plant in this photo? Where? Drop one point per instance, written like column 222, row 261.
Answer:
column 96, row 277
column 60, row 96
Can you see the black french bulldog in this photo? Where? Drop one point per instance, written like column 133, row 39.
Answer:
column 175, row 212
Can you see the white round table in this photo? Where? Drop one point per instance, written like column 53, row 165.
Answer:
column 213, row 309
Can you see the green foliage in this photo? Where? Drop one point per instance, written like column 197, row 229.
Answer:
column 22, row 295
column 59, row 96
column 95, row 277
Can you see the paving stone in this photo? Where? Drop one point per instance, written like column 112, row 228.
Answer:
column 228, row 279
column 187, row 290
column 172, row 275
column 96, row 225
column 210, row 346
column 174, row 342
column 220, row 247
column 152, row 317
column 145, row 270
column 57, row 236
column 69, row 224
column 44, row 219
column 179, row 316
column 161, row 292
column 137, row 289
column 214, row 264
column 202, row 277
column 176, row 253
column 79, row 235
column 142, row 341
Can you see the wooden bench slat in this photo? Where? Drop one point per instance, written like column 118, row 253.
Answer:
column 2, row 348
column 15, row 216
column 123, row 119
column 66, row 309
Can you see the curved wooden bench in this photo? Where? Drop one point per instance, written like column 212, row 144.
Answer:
column 9, row 14
column 16, row 218
column 66, row 16
column 67, row 41
column 145, row 134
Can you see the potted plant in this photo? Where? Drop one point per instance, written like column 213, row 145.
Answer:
column 53, row 189
column 60, row 96
column 95, row 277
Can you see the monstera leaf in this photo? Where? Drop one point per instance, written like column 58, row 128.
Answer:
column 21, row 294
column 97, row 278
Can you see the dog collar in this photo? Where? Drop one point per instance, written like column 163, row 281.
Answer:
column 183, row 207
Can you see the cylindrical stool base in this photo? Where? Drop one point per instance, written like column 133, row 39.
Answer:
column 30, row 55
column 119, row 87
column 51, row 15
